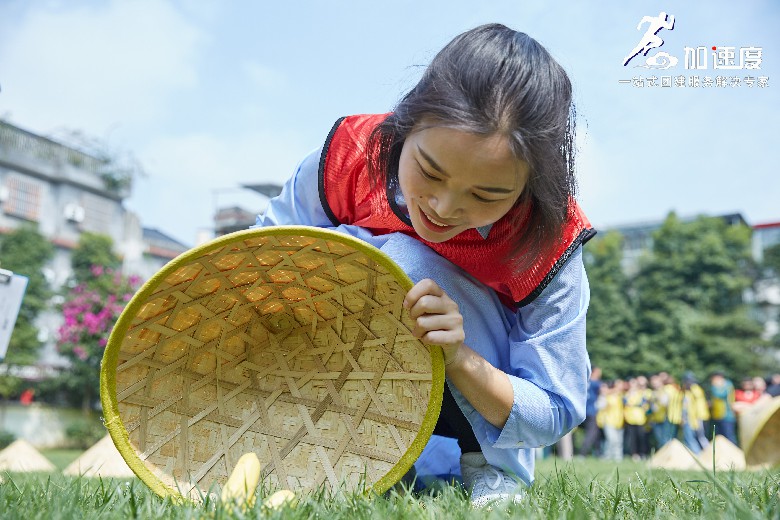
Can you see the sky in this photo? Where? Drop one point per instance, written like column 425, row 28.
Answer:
column 210, row 95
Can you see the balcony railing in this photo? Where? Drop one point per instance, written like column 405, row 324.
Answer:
column 116, row 178
column 27, row 143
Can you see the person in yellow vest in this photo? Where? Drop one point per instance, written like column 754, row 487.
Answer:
column 702, row 408
column 610, row 419
column 682, row 413
column 659, row 401
column 635, row 408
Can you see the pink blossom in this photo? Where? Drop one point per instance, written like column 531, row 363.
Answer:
column 97, row 270
column 80, row 352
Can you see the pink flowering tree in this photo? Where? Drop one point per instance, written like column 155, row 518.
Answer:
column 90, row 311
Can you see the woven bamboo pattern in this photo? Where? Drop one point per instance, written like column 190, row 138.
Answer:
column 759, row 430
column 288, row 342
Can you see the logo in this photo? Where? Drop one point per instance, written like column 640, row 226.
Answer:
column 701, row 57
column 651, row 40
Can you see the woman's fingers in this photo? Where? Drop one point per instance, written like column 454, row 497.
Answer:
column 426, row 287
column 429, row 304
column 446, row 328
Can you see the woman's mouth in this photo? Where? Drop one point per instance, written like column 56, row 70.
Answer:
column 433, row 224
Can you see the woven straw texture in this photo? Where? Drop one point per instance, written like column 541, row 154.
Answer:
column 759, row 429
column 289, row 342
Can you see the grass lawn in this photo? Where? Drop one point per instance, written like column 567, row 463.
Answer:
column 61, row 458
column 586, row 488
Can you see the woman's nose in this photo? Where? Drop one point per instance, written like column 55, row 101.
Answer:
column 445, row 205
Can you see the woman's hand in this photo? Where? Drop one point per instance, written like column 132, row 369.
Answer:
column 438, row 321
column 437, row 318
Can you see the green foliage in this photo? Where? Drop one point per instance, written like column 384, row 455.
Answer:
column 25, row 251
column 6, row 438
column 683, row 310
column 96, row 297
column 93, row 250
column 611, row 320
column 703, row 264
column 9, row 386
column 85, row 433
column 90, row 311
column 689, row 298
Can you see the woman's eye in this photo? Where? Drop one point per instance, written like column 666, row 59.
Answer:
column 482, row 199
column 428, row 175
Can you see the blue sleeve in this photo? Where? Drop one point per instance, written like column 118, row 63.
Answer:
column 299, row 202
column 549, row 364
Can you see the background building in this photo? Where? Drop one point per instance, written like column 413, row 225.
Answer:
column 767, row 297
column 66, row 192
column 235, row 218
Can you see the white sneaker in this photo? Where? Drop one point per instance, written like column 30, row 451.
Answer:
column 487, row 483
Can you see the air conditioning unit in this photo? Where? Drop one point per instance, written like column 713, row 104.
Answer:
column 74, row 213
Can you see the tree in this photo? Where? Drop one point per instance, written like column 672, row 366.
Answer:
column 90, row 312
column 689, row 299
column 93, row 250
column 96, row 298
column 25, row 251
column 611, row 321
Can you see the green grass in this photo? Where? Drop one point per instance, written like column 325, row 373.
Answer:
column 61, row 457
column 580, row 489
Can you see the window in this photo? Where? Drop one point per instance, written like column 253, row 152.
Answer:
column 24, row 198
column 98, row 214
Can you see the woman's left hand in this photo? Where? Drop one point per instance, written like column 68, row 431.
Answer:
column 437, row 318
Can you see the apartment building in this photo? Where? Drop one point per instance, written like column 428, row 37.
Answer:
column 65, row 192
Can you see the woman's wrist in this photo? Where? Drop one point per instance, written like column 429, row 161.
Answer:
column 452, row 355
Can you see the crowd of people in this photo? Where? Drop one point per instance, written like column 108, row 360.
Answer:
column 632, row 417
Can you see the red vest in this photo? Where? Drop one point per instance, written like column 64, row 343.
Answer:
column 347, row 198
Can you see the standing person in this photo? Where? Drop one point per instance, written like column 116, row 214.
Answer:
column 722, row 406
column 683, row 415
column 611, row 419
column 702, row 408
column 773, row 385
column 746, row 395
column 659, row 401
column 591, row 444
column 469, row 186
column 635, row 408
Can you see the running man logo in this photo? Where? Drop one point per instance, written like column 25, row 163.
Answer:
column 650, row 40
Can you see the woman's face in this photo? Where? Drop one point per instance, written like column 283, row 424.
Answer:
column 453, row 180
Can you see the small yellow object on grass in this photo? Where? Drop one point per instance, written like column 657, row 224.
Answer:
column 240, row 487
column 279, row 498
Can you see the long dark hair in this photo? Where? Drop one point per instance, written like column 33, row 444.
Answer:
column 493, row 80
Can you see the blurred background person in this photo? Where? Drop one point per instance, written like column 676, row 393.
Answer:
column 591, row 445
column 610, row 418
column 702, row 408
column 722, row 407
column 745, row 395
column 773, row 386
column 659, row 401
column 682, row 415
column 636, row 405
